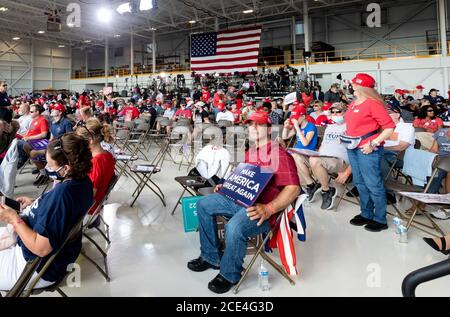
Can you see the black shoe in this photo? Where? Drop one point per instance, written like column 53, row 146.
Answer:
column 41, row 180
column 35, row 171
column 328, row 199
column 311, row 190
column 200, row 265
column 353, row 193
column 391, row 198
column 220, row 285
column 360, row 221
column 376, row 226
column 434, row 245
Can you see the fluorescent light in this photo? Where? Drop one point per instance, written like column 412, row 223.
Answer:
column 16, row 38
column 70, row 25
column 247, row 11
column 3, row 9
column 41, row 32
column 87, row 41
column 104, row 15
column 146, row 5
column 124, row 8
column 152, row 29
column 61, row 46
column 116, row 35
column 192, row 22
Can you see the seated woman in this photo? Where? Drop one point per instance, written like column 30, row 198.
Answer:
column 45, row 223
column 103, row 162
column 428, row 119
column 307, row 139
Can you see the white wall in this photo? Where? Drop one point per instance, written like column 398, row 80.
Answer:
column 50, row 68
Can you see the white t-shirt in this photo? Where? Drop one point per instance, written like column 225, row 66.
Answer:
column 403, row 132
column 331, row 145
column 169, row 113
column 25, row 122
column 227, row 115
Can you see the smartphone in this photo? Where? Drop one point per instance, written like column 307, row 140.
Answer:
column 11, row 203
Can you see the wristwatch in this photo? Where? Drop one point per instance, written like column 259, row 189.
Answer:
column 373, row 144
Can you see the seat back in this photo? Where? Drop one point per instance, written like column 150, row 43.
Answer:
column 442, row 163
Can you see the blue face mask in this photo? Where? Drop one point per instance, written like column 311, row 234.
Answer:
column 54, row 175
column 338, row 119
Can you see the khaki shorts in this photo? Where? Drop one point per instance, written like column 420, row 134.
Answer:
column 333, row 165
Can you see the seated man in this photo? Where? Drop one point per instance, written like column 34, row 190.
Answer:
column 281, row 191
column 334, row 159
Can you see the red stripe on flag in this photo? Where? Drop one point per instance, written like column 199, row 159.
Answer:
column 248, row 50
column 224, row 60
column 237, row 44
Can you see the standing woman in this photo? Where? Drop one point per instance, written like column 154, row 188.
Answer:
column 368, row 126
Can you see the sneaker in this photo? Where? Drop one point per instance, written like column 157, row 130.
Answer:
column 360, row 221
column 312, row 190
column 41, row 180
column 353, row 193
column 376, row 226
column 328, row 199
column 440, row 214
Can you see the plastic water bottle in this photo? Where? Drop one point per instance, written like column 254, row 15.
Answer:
column 403, row 236
column 263, row 277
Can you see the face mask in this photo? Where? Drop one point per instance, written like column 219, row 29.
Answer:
column 338, row 119
column 326, row 113
column 54, row 175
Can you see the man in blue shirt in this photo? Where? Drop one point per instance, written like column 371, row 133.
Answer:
column 434, row 98
column 60, row 125
column 4, row 99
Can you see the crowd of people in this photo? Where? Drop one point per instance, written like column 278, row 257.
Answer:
column 351, row 134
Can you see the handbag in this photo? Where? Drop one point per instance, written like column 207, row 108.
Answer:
column 352, row 143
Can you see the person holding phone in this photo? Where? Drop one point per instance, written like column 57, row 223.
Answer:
column 45, row 223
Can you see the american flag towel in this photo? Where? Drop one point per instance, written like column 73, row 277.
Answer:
column 226, row 51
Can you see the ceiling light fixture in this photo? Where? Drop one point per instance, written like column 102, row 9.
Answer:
column 124, row 8
column 192, row 22
column 41, row 32
column 16, row 38
column 104, row 15
column 3, row 9
column 247, row 11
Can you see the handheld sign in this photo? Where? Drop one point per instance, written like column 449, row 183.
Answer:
column 291, row 98
column 246, row 183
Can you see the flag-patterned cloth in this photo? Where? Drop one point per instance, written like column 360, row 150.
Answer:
column 226, row 51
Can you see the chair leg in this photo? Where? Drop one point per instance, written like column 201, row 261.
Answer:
column 105, row 272
column 277, row 267
column 61, row 292
column 178, row 202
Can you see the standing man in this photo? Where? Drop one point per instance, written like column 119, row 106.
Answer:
column 4, row 98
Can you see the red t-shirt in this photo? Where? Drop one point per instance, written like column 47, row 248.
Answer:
column 275, row 157
column 307, row 99
column 217, row 99
column 38, row 126
column 128, row 112
column 100, row 175
column 236, row 113
column 206, row 95
column 186, row 113
column 310, row 119
column 430, row 125
column 322, row 120
column 367, row 117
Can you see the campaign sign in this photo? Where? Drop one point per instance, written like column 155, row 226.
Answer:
column 246, row 183
column 189, row 209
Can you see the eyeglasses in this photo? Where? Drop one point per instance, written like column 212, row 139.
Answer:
column 430, row 110
column 336, row 111
column 32, row 111
column 4, row 85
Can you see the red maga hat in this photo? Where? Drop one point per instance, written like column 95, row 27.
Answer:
column 260, row 117
column 364, row 80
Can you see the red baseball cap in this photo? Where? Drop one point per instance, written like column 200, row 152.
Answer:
column 297, row 104
column 100, row 103
column 399, row 91
column 297, row 112
column 420, row 87
column 260, row 117
column 364, row 80
column 59, row 107
column 267, row 99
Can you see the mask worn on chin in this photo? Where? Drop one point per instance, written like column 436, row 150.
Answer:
column 54, row 175
column 338, row 119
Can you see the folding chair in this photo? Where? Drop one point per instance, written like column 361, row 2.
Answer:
column 345, row 191
column 104, row 233
column 440, row 162
column 144, row 171
column 181, row 145
column 260, row 249
column 25, row 285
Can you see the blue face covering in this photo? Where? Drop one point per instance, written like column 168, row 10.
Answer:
column 338, row 119
column 54, row 175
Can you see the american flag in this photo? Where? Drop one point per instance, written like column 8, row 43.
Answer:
column 226, row 51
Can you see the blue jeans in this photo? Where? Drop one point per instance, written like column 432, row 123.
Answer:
column 437, row 181
column 237, row 232
column 367, row 177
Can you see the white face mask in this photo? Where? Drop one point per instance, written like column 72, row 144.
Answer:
column 326, row 113
column 338, row 119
